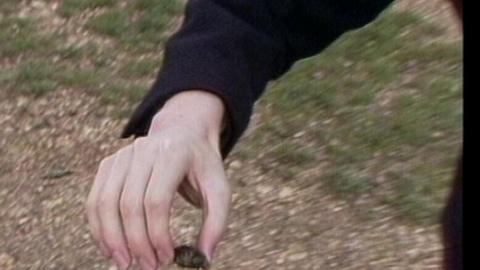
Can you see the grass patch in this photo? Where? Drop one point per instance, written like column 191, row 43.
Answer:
column 40, row 77
column 290, row 154
column 70, row 53
column 139, row 26
column 72, row 7
column 117, row 94
column 139, row 68
column 73, row 53
column 86, row 79
column 380, row 96
column 113, row 23
column 36, row 78
column 122, row 97
column 347, row 183
column 420, row 193
column 19, row 36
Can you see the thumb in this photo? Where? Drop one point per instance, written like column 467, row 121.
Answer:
column 216, row 194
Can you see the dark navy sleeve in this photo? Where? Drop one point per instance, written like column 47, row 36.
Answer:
column 233, row 48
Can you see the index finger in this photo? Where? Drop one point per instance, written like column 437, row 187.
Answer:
column 92, row 200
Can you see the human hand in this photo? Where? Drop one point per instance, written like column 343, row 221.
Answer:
column 129, row 203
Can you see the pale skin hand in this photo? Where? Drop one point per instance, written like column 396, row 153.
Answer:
column 129, row 203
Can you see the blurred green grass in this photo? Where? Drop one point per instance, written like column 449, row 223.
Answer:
column 72, row 7
column 383, row 102
column 138, row 27
column 386, row 103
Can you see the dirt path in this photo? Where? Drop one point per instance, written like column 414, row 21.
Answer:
column 49, row 150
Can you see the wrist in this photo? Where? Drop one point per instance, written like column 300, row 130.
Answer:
column 200, row 111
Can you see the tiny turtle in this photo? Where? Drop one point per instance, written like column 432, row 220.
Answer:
column 190, row 257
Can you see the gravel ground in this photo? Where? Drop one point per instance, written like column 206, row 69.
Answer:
column 50, row 148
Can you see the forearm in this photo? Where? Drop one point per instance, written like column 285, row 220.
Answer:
column 234, row 48
column 219, row 53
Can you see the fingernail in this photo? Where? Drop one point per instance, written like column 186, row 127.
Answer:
column 209, row 254
column 146, row 265
column 121, row 260
column 104, row 250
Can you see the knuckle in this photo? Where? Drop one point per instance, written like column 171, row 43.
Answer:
column 154, row 204
column 165, row 255
column 113, row 242
column 142, row 147
column 158, row 243
column 108, row 160
column 136, row 243
column 140, row 142
column 168, row 144
column 156, row 237
column 128, row 208
column 155, row 243
column 105, row 203
column 111, row 238
column 125, row 150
